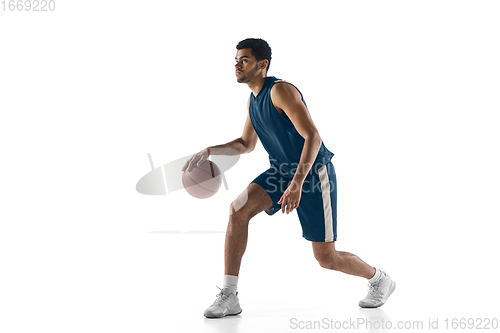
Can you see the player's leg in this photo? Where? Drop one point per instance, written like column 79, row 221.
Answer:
column 380, row 284
column 252, row 201
column 345, row 262
column 318, row 216
column 248, row 204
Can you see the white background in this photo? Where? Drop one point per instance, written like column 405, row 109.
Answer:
column 405, row 93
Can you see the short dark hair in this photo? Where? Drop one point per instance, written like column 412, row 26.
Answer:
column 259, row 47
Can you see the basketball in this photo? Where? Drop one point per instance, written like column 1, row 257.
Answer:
column 202, row 181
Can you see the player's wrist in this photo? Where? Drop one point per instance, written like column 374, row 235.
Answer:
column 208, row 151
column 298, row 181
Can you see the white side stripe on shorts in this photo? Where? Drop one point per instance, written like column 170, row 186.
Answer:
column 327, row 206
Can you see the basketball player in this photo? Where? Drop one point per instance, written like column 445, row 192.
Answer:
column 301, row 177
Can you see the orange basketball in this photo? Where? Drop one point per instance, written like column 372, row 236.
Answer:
column 202, row 181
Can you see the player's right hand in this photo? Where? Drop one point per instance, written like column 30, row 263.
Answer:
column 197, row 159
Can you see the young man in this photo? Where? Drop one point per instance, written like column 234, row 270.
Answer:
column 301, row 176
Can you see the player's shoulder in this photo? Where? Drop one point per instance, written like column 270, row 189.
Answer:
column 283, row 87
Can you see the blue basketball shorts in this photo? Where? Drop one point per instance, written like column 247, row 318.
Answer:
column 317, row 208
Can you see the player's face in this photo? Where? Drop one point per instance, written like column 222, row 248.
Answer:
column 247, row 67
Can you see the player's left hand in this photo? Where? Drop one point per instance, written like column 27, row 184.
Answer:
column 291, row 198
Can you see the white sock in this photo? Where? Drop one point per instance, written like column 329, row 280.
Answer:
column 230, row 283
column 376, row 277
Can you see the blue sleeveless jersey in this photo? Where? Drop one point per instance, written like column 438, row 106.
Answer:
column 278, row 134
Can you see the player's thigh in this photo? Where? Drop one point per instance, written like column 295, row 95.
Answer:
column 253, row 200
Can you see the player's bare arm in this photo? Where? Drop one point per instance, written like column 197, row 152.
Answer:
column 242, row 145
column 286, row 98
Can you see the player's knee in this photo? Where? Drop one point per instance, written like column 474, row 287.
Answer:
column 239, row 202
column 233, row 208
column 237, row 215
column 327, row 260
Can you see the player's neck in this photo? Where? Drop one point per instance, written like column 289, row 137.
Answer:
column 256, row 84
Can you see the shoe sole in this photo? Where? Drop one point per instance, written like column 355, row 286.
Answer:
column 228, row 314
column 391, row 290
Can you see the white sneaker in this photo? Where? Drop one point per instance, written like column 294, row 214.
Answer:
column 226, row 304
column 379, row 292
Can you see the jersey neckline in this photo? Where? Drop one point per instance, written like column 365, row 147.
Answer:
column 266, row 83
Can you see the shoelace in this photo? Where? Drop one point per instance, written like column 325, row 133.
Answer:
column 374, row 288
column 221, row 298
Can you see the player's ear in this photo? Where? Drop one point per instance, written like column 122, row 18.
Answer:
column 264, row 64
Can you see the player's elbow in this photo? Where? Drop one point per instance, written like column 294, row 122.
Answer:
column 313, row 136
column 249, row 146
